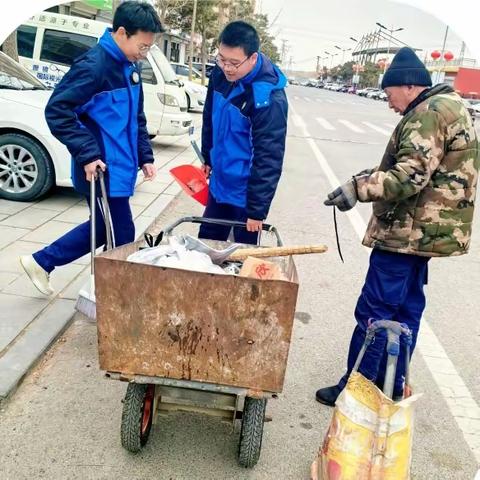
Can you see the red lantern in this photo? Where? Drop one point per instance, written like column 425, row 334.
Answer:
column 435, row 54
column 448, row 56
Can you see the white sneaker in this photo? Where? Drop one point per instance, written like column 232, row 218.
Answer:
column 39, row 277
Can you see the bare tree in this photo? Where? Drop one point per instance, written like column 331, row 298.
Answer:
column 169, row 11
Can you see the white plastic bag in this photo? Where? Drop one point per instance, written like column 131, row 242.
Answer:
column 175, row 255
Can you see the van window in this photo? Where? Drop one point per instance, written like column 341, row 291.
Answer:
column 148, row 76
column 26, row 40
column 64, row 47
column 181, row 70
column 164, row 66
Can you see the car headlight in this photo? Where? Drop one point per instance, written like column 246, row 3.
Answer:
column 168, row 100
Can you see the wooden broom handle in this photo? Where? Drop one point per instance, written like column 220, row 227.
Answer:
column 243, row 253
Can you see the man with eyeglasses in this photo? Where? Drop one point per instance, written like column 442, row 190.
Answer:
column 243, row 135
column 96, row 111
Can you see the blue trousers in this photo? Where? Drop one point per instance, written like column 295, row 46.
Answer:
column 225, row 211
column 393, row 290
column 76, row 243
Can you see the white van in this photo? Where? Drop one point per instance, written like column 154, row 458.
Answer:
column 49, row 42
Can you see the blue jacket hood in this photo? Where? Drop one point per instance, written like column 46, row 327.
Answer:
column 264, row 78
column 110, row 45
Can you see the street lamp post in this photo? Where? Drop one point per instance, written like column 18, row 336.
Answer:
column 390, row 31
column 343, row 52
column 331, row 59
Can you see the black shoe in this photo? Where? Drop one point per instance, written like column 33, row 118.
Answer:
column 328, row 395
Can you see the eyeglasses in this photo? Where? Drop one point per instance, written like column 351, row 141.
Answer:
column 229, row 65
column 142, row 48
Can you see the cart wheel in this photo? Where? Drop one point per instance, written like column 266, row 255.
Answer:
column 137, row 416
column 252, row 431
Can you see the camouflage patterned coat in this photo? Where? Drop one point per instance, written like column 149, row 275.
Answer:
column 423, row 192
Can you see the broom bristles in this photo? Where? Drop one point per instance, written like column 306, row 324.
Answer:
column 86, row 303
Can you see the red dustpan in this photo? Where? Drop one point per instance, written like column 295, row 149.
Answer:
column 193, row 182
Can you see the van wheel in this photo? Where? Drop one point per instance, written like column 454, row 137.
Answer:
column 188, row 101
column 26, row 171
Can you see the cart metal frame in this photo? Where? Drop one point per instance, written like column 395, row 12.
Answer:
column 147, row 396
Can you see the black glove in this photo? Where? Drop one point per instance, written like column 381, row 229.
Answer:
column 344, row 197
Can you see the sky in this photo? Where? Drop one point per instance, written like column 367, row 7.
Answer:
column 312, row 27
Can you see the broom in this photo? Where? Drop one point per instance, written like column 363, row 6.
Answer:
column 86, row 303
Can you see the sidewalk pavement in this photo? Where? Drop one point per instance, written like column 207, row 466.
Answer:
column 29, row 321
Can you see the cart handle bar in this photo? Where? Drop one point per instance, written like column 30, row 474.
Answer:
column 228, row 223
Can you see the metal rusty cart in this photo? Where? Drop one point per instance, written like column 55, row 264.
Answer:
column 193, row 341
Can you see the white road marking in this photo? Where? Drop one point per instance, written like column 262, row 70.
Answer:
column 297, row 120
column 325, row 123
column 390, row 125
column 351, row 126
column 296, row 97
column 378, row 129
column 458, row 398
column 307, row 99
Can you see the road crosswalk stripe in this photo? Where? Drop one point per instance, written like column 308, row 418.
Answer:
column 296, row 97
column 351, row 126
column 325, row 123
column 378, row 129
column 297, row 120
column 390, row 125
column 307, row 99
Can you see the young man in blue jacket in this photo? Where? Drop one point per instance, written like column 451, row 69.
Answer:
column 243, row 135
column 96, row 111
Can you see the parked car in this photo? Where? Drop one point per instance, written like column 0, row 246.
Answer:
column 345, row 88
column 373, row 94
column 363, row 91
column 476, row 106
column 32, row 160
column 208, row 67
column 382, row 96
column 312, row 82
column 181, row 69
column 352, row 89
column 470, row 108
column 196, row 95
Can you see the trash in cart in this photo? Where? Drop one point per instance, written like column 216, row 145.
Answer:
column 194, row 341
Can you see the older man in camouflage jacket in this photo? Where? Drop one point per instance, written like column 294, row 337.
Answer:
column 423, row 196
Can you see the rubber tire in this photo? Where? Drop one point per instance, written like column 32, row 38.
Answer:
column 130, row 432
column 251, row 433
column 46, row 172
column 188, row 102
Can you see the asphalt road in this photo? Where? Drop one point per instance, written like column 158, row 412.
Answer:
column 64, row 421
